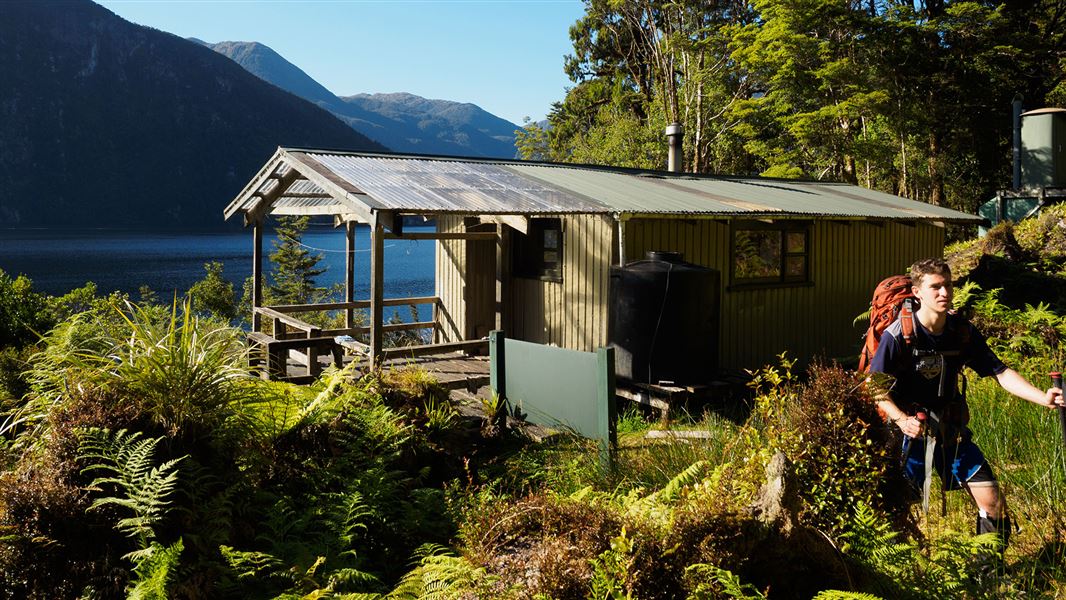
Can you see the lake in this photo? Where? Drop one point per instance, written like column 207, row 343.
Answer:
column 58, row 261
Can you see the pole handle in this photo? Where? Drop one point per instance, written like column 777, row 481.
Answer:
column 1056, row 381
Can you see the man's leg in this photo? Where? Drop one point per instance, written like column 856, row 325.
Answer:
column 971, row 471
column 992, row 514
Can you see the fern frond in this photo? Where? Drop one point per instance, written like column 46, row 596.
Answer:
column 251, row 565
column 439, row 576
column 155, row 571
column 709, row 581
column 839, row 595
column 670, row 492
column 144, row 489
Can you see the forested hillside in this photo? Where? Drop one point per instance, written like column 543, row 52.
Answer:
column 403, row 122
column 911, row 98
column 104, row 123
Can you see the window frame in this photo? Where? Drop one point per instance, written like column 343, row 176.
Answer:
column 528, row 250
column 784, row 228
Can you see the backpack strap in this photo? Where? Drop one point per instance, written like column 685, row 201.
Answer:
column 906, row 321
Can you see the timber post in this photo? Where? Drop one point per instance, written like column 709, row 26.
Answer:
column 257, row 273
column 377, row 284
column 349, row 272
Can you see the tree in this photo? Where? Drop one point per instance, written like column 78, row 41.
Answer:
column 214, row 294
column 293, row 266
column 912, row 98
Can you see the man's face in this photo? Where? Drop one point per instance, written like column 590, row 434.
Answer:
column 934, row 293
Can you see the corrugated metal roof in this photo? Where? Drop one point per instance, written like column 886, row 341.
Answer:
column 428, row 185
column 732, row 196
column 412, row 184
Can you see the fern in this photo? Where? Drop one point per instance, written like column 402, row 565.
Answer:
column 156, row 572
column 251, row 565
column 902, row 571
column 653, row 504
column 127, row 461
column 709, row 581
column 439, row 576
column 839, row 595
column 352, row 522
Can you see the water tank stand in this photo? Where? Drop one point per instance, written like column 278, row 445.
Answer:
column 660, row 397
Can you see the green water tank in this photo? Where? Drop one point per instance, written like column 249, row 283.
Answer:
column 1044, row 148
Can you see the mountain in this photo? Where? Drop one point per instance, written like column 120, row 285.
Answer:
column 104, row 123
column 401, row 121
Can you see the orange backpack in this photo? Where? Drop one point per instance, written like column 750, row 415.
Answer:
column 892, row 299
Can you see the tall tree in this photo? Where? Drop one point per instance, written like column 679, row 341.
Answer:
column 908, row 97
column 294, row 265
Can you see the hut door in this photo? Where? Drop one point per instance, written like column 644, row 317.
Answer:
column 479, row 291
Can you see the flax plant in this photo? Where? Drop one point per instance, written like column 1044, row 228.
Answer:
column 183, row 373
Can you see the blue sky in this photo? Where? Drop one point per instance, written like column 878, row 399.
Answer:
column 506, row 56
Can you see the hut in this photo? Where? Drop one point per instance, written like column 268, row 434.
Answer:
column 528, row 248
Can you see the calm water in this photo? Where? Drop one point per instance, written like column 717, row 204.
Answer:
column 58, row 261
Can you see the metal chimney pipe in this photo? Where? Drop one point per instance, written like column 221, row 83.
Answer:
column 1016, row 149
column 674, row 135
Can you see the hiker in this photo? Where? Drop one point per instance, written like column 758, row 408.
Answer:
column 926, row 370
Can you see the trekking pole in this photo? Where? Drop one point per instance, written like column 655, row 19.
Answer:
column 1056, row 381
column 927, row 444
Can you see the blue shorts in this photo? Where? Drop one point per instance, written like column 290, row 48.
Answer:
column 957, row 463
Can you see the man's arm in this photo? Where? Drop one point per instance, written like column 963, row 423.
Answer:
column 909, row 425
column 1013, row 382
column 885, row 362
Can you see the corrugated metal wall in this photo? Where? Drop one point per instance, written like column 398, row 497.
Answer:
column 570, row 314
column 451, row 266
column 847, row 259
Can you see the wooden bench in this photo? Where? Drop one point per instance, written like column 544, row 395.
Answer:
column 270, row 355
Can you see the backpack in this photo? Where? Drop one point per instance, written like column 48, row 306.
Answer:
column 892, row 299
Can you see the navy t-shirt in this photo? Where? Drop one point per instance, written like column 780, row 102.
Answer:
column 926, row 372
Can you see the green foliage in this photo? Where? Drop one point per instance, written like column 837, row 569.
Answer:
column 611, row 570
column 440, row 576
column 909, row 98
column 948, row 569
column 182, row 375
column 214, row 295
column 23, row 312
column 532, row 141
column 156, row 572
column 708, row 581
column 294, row 266
column 127, row 461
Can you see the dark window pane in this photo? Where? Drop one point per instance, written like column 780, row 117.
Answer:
column 551, row 239
column 757, row 254
column 796, row 242
column 538, row 254
column 796, row 266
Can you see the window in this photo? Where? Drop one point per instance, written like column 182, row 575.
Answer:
column 539, row 253
column 770, row 253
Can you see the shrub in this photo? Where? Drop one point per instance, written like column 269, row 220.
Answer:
column 214, row 295
column 23, row 312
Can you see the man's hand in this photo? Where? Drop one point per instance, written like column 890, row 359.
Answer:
column 910, row 426
column 1053, row 398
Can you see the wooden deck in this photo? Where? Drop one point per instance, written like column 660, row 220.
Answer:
column 454, row 370
column 287, row 360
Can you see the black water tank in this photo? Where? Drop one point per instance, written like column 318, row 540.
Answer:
column 664, row 320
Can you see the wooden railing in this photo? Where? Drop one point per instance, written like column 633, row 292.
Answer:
column 292, row 336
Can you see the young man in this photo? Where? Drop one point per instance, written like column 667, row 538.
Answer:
column 926, row 379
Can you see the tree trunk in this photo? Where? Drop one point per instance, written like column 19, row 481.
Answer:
column 936, row 176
